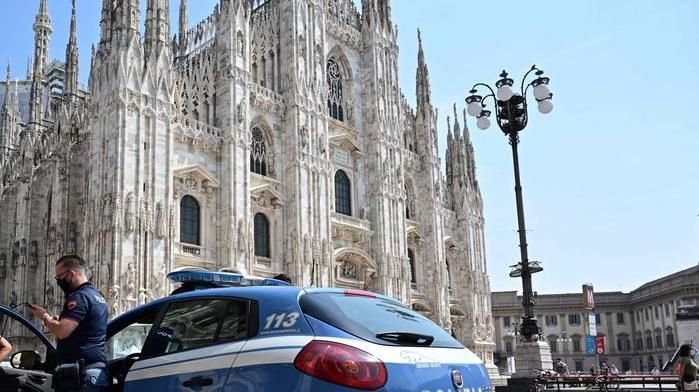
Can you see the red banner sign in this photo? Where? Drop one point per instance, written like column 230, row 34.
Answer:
column 588, row 297
column 599, row 345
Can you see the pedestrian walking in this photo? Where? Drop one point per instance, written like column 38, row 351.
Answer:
column 560, row 367
column 81, row 327
column 613, row 370
column 687, row 377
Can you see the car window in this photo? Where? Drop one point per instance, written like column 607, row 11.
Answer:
column 368, row 318
column 197, row 323
column 20, row 337
column 130, row 339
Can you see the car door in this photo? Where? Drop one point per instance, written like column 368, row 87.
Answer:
column 126, row 337
column 25, row 336
column 192, row 346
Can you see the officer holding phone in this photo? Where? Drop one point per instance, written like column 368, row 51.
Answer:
column 81, row 327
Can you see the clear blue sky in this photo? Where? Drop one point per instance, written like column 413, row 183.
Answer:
column 611, row 179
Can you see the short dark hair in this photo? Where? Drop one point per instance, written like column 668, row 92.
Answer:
column 284, row 278
column 73, row 262
column 685, row 350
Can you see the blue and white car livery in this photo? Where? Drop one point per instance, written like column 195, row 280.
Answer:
column 263, row 336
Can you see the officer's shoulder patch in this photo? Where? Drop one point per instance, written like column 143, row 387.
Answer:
column 72, row 304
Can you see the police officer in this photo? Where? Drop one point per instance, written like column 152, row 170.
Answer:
column 81, row 327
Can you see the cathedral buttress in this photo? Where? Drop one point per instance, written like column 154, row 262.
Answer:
column 307, row 170
column 384, row 149
column 232, row 73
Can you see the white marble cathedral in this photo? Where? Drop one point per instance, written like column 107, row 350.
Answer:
column 271, row 137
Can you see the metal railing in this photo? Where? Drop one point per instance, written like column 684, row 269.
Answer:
column 620, row 382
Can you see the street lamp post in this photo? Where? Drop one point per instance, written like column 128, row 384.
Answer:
column 564, row 340
column 511, row 114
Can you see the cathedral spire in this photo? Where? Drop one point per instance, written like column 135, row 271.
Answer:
column 377, row 13
column 42, row 36
column 9, row 115
column 184, row 23
column 30, row 67
column 449, row 135
column 8, row 76
column 157, row 35
column 72, row 58
column 106, row 22
column 422, row 80
column 43, row 7
column 470, row 159
column 457, row 127
column 124, row 18
column 425, row 113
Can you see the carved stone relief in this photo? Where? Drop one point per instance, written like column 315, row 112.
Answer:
column 242, row 237
column 34, row 254
column 3, row 265
column 130, row 213
column 349, row 270
column 161, row 228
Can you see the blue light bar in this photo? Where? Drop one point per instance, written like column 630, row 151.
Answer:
column 221, row 279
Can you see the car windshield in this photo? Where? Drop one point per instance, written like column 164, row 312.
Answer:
column 376, row 320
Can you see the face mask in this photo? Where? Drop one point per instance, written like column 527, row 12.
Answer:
column 64, row 285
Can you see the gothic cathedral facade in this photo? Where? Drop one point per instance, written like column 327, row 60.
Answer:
column 271, row 137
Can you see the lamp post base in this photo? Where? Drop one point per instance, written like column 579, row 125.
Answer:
column 530, row 356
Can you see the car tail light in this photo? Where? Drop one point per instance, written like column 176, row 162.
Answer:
column 341, row 364
column 360, row 293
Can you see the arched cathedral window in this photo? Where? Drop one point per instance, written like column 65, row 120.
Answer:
column 411, row 260
column 334, row 77
column 343, row 196
column 261, row 236
column 258, row 152
column 189, row 221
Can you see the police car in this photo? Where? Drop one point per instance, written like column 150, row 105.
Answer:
column 226, row 332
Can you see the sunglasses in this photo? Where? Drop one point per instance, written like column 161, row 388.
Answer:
column 61, row 275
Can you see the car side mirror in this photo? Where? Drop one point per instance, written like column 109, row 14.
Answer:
column 27, row 360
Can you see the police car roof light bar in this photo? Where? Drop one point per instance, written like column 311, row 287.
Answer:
column 221, row 279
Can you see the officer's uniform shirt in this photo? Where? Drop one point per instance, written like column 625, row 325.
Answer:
column 88, row 307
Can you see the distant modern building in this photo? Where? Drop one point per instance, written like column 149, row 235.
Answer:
column 641, row 329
